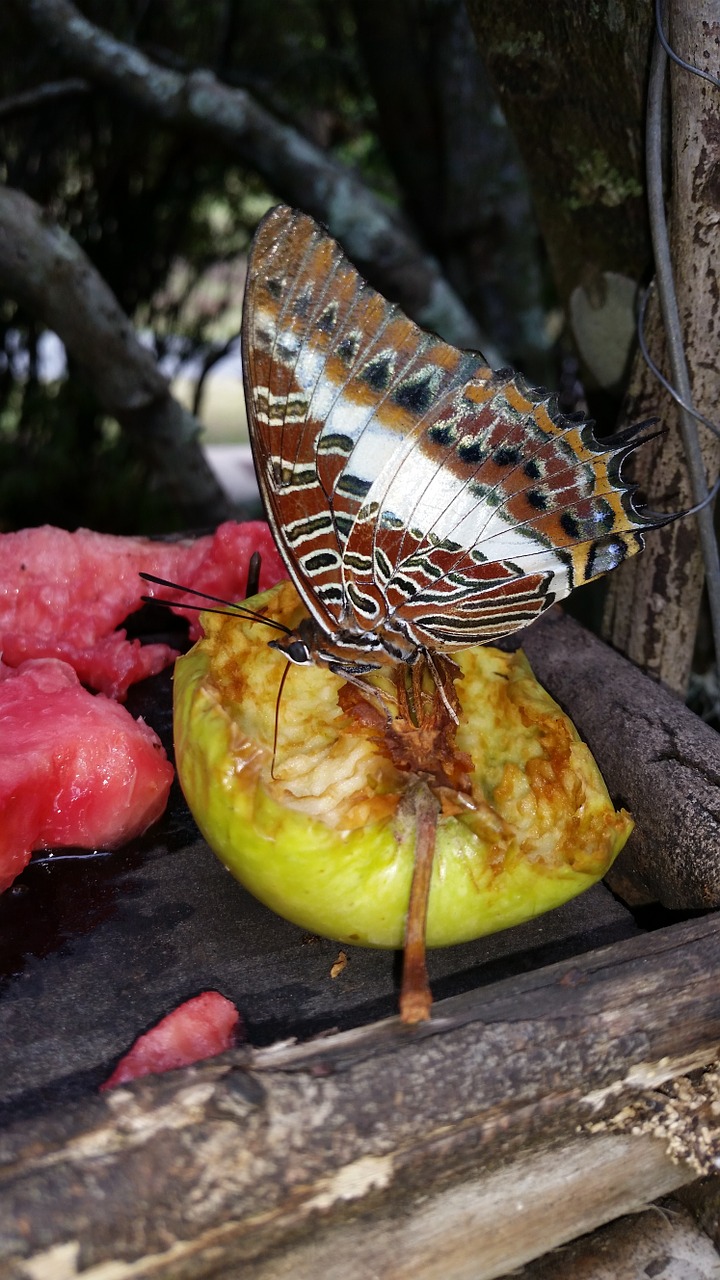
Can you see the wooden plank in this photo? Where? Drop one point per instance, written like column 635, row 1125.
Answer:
column 237, row 1161
column 658, row 759
column 664, row 1242
column 475, row 1231
column 493, row 1223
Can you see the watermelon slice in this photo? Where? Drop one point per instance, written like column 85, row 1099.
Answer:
column 64, row 594
column 200, row 1028
column 75, row 768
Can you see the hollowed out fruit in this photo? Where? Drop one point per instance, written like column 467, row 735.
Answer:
column 328, row 841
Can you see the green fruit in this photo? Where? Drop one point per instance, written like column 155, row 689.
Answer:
column 328, row 841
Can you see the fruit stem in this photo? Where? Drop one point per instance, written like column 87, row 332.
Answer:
column 415, row 994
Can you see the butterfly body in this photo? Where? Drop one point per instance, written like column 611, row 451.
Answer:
column 422, row 502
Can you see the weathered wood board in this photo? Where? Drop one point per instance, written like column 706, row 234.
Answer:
column 658, row 759
column 478, row 1116
column 665, row 1242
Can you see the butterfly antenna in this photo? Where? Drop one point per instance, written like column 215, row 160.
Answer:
column 198, row 608
column 231, row 609
column 277, row 719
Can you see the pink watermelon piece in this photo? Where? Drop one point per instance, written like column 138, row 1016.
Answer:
column 200, row 1028
column 63, row 595
column 75, row 768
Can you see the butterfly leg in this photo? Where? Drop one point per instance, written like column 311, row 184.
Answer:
column 443, row 672
column 380, row 696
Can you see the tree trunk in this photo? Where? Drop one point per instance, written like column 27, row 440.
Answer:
column 571, row 81
column 654, row 602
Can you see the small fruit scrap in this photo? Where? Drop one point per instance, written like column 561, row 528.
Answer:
column 65, row 595
column 75, row 768
column 199, row 1028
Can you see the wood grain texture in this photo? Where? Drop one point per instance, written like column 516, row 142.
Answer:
column 653, row 605
column 665, row 1242
column 240, row 1160
column 658, row 759
column 490, row 1224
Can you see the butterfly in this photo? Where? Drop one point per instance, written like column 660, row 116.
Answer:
column 421, row 501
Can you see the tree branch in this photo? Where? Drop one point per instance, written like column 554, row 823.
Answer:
column 300, row 172
column 41, row 95
column 43, row 269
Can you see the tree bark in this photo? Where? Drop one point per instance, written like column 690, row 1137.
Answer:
column 297, row 170
column 43, row 269
column 457, row 166
column 571, row 81
column 654, row 601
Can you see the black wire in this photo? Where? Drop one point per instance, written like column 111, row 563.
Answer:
column 673, row 329
column 676, row 56
column 671, row 390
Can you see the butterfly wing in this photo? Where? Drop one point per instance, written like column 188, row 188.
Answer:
column 335, row 381
column 503, row 507
column 412, row 491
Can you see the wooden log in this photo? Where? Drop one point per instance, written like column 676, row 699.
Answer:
column 665, row 1241
column 659, row 760
column 273, row 1159
column 472, row 1231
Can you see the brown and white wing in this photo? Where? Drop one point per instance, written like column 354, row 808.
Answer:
column 336, row 380
column 410, row 488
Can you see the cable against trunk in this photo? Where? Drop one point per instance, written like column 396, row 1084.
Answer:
column 671, row 321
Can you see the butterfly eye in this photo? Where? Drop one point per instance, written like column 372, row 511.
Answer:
column 296, row 651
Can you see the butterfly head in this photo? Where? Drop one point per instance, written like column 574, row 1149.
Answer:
column 308, row 644
column 294, row 648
